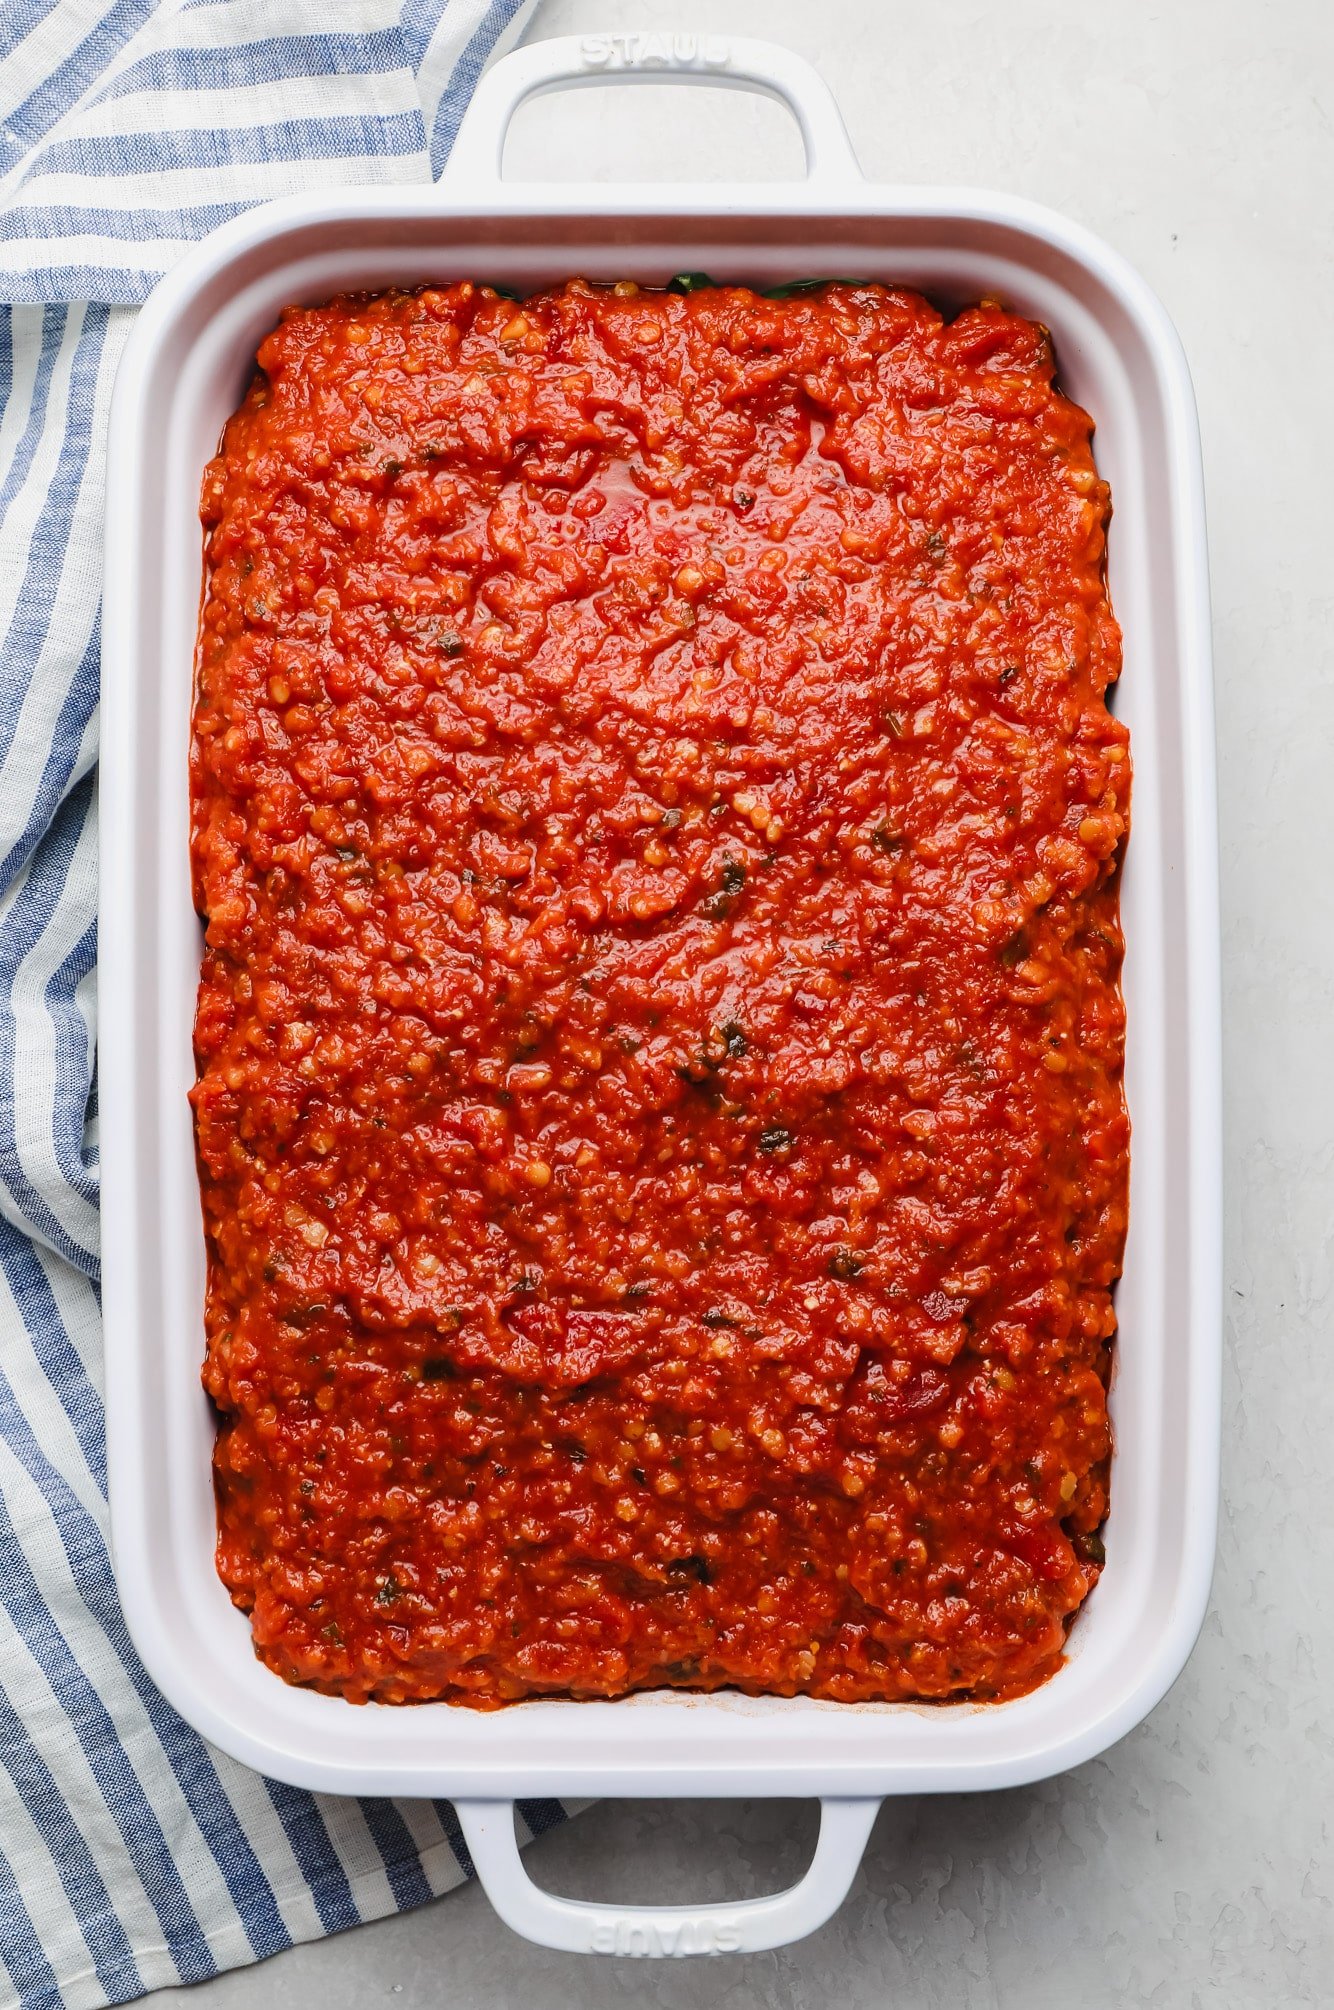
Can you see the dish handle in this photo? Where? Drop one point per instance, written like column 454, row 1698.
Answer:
column 566, row 62
column 747, row 1927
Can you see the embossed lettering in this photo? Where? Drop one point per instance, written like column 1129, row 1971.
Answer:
column 654, row 52
column 697, row 1933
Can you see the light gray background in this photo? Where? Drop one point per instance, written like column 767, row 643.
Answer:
column 1190, row 1866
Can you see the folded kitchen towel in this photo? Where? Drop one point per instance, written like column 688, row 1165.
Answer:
column 131, row 1854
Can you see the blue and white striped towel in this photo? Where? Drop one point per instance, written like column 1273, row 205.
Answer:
column 131, row 1855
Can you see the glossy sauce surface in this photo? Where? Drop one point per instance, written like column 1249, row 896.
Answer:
column 659, row 1113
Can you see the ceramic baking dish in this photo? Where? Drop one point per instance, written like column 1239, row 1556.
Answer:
column 186, row 367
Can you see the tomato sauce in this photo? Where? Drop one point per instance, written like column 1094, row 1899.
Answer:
column 659, row 1107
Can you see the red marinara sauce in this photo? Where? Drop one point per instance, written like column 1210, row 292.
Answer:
column 659, row 1109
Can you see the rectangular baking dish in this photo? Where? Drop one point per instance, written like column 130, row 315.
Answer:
column 187, row 364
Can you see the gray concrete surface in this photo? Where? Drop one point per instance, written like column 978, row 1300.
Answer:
column 1190, row 1866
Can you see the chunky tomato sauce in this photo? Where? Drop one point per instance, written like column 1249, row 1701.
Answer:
column 659, row 1108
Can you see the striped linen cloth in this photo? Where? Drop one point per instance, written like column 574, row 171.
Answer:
column 131, row 1854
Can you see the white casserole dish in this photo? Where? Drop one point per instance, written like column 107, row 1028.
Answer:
column 185, row 370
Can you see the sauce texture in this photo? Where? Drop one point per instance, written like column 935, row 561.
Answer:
column 659, row 1039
